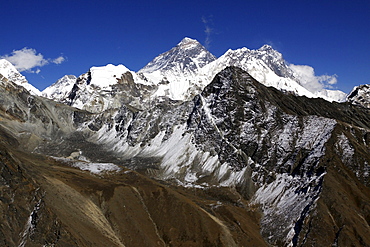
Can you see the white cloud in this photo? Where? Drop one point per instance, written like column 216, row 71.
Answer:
column 329, row 79
column 59, row 60
column 306, row 75
column 208, row 30
column 27, row 59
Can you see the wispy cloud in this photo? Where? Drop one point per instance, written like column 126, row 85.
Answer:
column 312, row 82
column 207, row 30
column 59, row 60
column 27, row 59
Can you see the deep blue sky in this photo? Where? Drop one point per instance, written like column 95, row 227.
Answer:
column 331, row 36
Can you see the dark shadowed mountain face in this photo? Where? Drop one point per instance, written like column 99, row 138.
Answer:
column 240, row 164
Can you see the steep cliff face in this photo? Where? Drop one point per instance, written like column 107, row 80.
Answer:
column 280, row 145
column 360, row 96
column 240, row 164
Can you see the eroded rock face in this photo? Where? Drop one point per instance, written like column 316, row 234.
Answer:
column 240, row 164
column 360, row 96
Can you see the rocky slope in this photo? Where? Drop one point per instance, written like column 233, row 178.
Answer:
column 80, row 199
column 240, row 164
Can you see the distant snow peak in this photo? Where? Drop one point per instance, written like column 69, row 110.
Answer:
column 106, row 76
column 61, row 88
column 187, row 40
column 179, row 69
column 188, row 43
column 67, row 79
column 11, row 73
column 184, row 59
column 266, row 47
column 183, row 71
column 268, row 67
column 102, row 88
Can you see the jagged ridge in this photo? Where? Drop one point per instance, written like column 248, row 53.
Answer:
column 183, row 72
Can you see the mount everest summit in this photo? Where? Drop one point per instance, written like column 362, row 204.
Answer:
column 191, row 150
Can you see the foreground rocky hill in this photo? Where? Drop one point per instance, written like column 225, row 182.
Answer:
column 240, row 164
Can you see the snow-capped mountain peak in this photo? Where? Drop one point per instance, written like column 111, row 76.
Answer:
column 182, row 60
column 267, row 66
column 176, row 71
column 265, row 56
column 266, row 47
column 188, row 43
column 61, row 88
column 106, row 76
column 11, row 73
column 100, row 88
column 184, row 71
